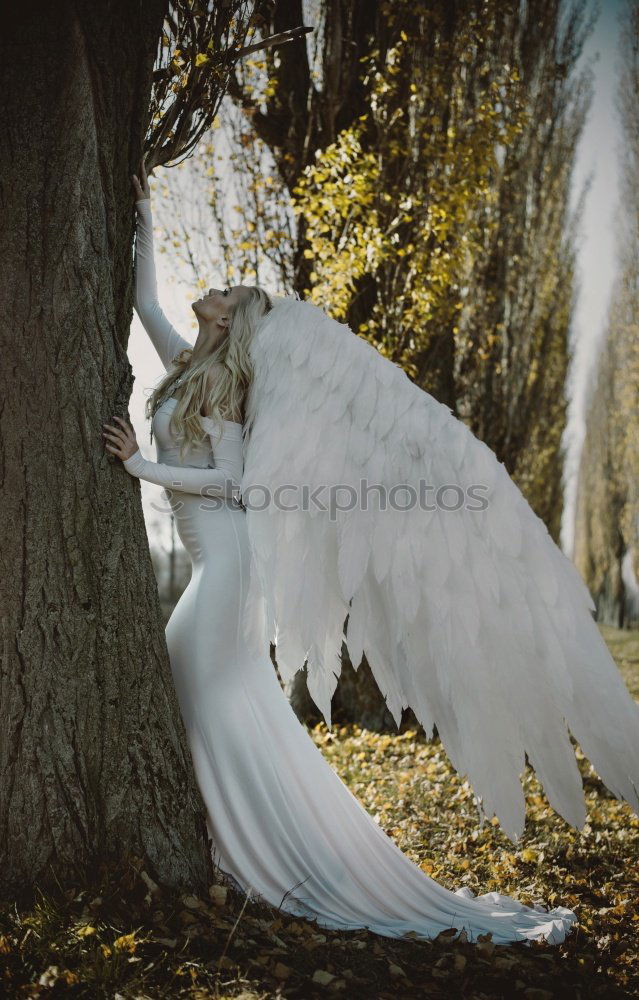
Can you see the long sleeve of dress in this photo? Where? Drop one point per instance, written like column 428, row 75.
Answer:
column 224, row 480
column 165, row 338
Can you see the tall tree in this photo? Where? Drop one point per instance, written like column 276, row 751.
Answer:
column 512, row 350
column 602, row 484
column 298, row 106
column 426, row 150
column 93, row 753
column 439, row 224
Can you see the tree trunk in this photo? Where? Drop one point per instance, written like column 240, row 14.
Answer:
column 357, row 699
column 93, row 752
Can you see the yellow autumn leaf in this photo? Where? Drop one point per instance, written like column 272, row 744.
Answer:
column 126, row 942
column 85, row 931
column 528, row 854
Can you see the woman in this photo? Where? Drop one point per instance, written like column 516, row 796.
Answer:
column 281, row 821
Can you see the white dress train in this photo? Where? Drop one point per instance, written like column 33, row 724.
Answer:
column 283, row 824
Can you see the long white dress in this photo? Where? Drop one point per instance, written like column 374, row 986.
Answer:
column 283, row 824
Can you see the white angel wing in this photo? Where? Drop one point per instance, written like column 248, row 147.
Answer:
column 472, row 617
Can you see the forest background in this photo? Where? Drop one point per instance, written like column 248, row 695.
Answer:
column 495, row 263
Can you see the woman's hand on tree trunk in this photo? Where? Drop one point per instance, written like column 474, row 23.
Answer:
column 123, row 442
column 141, row 190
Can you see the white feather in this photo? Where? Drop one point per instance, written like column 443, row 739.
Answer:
column 472, row 617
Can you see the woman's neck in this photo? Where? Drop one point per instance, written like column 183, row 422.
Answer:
column 209, row 338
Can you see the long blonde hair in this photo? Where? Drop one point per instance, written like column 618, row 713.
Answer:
column 228, row 390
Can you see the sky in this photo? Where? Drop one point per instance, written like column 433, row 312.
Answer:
column 596, row 157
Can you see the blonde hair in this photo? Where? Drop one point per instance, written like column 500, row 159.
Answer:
column 228, row 391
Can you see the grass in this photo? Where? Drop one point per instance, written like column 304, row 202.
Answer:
column 125, row 937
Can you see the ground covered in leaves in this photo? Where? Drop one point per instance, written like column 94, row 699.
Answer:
column 125, row 937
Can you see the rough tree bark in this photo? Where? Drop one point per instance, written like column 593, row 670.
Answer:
column 93, row 753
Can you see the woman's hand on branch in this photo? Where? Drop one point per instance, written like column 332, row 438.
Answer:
column 123, row 442
column 141, row 190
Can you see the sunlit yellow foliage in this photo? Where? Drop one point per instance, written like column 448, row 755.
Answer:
column 395, row 199
column 338, row 198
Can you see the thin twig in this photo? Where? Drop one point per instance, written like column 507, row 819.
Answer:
column 273, row 41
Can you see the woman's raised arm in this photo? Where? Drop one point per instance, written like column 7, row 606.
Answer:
column 164, row 337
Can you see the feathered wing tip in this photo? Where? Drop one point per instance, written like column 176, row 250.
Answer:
column 464, row 606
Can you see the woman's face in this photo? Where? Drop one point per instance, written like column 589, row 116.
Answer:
column 217, row 305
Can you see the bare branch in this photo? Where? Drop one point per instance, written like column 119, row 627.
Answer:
column 275, row 41
column 199, row 49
